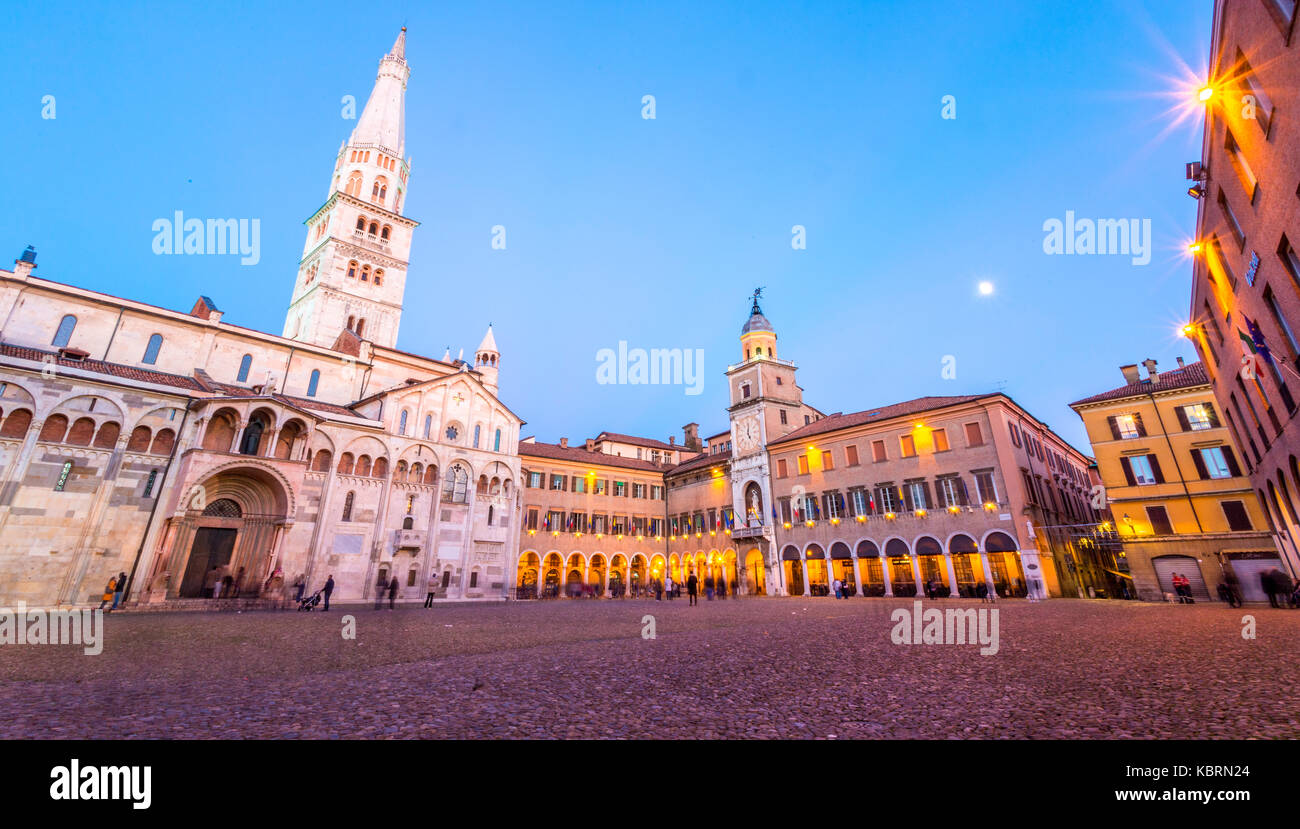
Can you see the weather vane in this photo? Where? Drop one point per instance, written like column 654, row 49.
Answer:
column 758, row 292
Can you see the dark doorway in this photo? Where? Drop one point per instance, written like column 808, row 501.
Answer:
column 212, row 547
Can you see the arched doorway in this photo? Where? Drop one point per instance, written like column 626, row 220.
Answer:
column 790, row 561
column 900, row 567
column 551, row 567
column 575, row 576
column 818, row 583
column 756, row 573
column 869, row 565
column 1004, row 562
column 229, row 533
column 526, row 576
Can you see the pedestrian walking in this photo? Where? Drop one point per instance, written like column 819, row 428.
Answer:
column 433, row 588
column 329, row 588
column 381, row 589
column 227, row 586
column 668, row 586
column 692, row 589
column 392, row 593
column 982, row 592
column 108, row 592
column 838, row 587
column 299, row 587
column 119, row 590
column 708, row 587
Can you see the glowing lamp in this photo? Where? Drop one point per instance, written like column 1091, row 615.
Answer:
column 1205, row 93
column 920, row 513
column 890, row 516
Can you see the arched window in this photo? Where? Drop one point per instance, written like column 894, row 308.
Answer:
column 496, row 443
column 352, row 323
column 352, row 269
column 163, row 442
column 379, row 276
column 313, row 382
column 140, row 438
column 347, row 506
column 374, row 228
column 245, row 364
column 54, row 429
column 152, row 349
column 361, row 223
column 401, row 423
column 428, row 424
column 386, row 232
column 361, row 324
column 365, row 273
column 64, row 334
column 455, row 485
column 354, row 183
column 477, row 429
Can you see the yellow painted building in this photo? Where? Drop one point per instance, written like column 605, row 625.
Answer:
column 1176, row 485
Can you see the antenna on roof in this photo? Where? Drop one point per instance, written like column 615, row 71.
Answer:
column 1000, row 386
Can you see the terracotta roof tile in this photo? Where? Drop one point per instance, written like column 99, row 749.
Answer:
column 702, row 462
column 139, row 375
column 639, row 441
column 1192, row 374
column 579, row 454
column 837, row 421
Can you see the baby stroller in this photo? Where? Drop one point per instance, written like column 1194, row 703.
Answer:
column 309, row 602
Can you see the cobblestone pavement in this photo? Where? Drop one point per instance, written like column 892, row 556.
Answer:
column 801, row 668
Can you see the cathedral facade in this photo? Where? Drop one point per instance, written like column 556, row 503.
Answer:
column 190, row 453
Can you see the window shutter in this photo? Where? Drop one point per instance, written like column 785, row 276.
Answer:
column 1114, row 427
column 1155, row 468
column 1128, row 471
column 962, row 497
column 1181, row 411
column 1199, row 460
column 1214, row 416
column 1137, row 421
column 907, row 498
column 929, row 499
column 1232, row 461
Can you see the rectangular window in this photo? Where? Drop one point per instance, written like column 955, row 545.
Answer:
column 1238, row 518
column 579, row 483
column 532, row 518
column 1271, row 301
column 1213, row 463
column 1290, row 261
column 1233, row 224
column 828, row 462
column 535, row 480
column 878, row 451
column 1128, row 426
column 602, row 486
column 858, row 501
column 1262, row 105
column 941, row 440
column 1245, row 175
column 656, row 493
column 1159, row 521
column 473, row 578
column 974, row 435
column 620, row 489
column 917, row 491
column 786, row 515
column 851, row 455
column 907, row 446
column 1200, row 417
column 988, row 491
column 803, row 464
column 638, row 490
column 153, row 473
column 781, row 469
column 1142, row 471
column 783, row 421
column 557, row 482
column 887, row 499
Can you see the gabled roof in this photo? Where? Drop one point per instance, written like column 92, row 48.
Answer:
column 615, row 437
column 579, row 454
column 1189, row 376
column 837, row 421
column 701, row 462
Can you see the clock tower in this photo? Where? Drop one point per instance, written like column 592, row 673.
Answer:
column 765, row 405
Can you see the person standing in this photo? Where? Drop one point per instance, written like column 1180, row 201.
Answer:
column 838, row 588
column 109, row 590
column 119, row 590
column 668, row 586
column 692, row 589
column 392, row 593
column 329, row 588
column 299, row 587
column 708, row 587
column 433, row 588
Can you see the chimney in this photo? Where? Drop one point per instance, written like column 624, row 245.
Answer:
column 591, row 445
column 564, row 443
column 692, row 436
column 1152, row 374
column 1131, row 374
column 25, row 264
column 1180, row 363
column 672, row 440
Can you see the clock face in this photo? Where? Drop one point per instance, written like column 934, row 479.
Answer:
column 747, row 434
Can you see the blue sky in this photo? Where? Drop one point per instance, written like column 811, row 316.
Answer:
column 768, row 115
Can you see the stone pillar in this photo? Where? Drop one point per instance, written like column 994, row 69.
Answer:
column 916, row 574
column 857, row 576
column 884, row 574
column 988, row 572
column 239, row 437
column 271, row 435
column 803, row 562
column 17, row 471
column 952, row 575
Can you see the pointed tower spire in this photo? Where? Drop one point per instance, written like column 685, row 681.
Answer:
column 399, row 46
column 383, row 121
column 486, row 359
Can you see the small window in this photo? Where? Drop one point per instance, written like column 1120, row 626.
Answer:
column 974, row 435
column 803, row 464
column 496, row 442
column 401, row 422
column 1159, row 518
column 851, row 455
column 245, row 364
column 152, row 349
column 941, row 440
column 907, row 446
column 783, row 418
column 313, row 382
column 63, row 476
column 878, row 451
column 473, row 579
column 782, row 470
column 828, row 461
column 1238, row 518
column 477, row 429
column 64, row 334
column 148, row 486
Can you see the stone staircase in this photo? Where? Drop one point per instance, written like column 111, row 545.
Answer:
column 208, row 605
